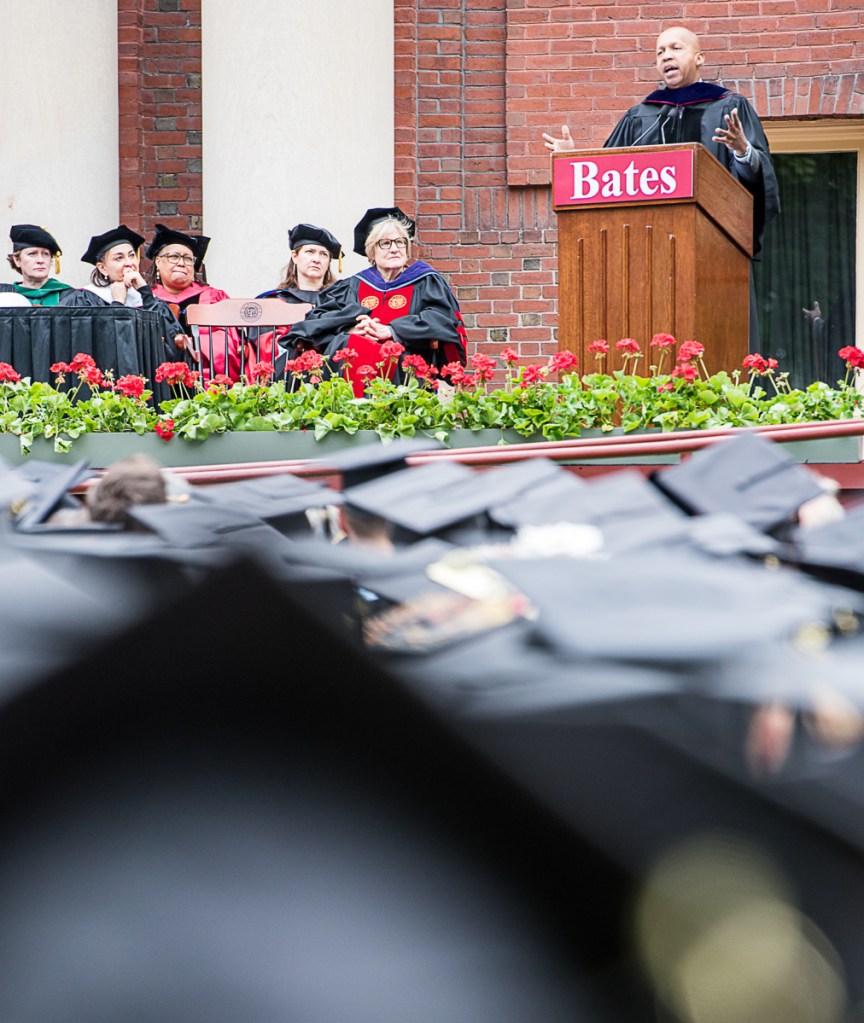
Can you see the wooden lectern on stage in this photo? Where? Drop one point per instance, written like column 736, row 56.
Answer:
column 653, row 239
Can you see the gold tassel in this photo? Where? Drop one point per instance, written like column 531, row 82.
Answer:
column 57, row 263
column 340, row 262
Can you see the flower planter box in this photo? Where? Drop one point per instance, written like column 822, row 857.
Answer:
column 101, row 449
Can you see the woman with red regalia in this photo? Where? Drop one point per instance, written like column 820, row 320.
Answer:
column 394, row 299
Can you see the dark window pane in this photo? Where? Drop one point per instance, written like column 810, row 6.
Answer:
column 808, row 263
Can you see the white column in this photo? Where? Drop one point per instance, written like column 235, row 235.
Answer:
column 58, row 124
column 298, row 128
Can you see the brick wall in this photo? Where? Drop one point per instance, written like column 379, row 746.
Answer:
column 159, row 57
column 477, row 81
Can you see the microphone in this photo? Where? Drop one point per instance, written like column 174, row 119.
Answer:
column 651, row 127
column 669, row 117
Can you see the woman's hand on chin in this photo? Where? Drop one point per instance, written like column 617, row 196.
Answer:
column 119, row 292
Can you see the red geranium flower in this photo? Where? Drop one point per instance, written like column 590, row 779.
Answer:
column 755, row 362
column 391, row 350
column 600, row 346
column 421, row 368
column 8, row 374
column 366, row 372
column 484, row 366
column 260, row 372
column 174, row 373
column 220, row 380
column 61, row 367
column 690, row 350
column 662, row 341
column 532, row 375
column 510, row 355
column 81, row 361
column 687, row 372
column 852, row 356
column 344, row 355
column 93, row 376
column 130, row 385
column 629, row 345
column 165, row 428
column 563, row 361
column 308, row 362
column 772, row 363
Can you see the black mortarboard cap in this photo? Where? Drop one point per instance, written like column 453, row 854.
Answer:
column 370, row 461
column 371, row 217
column 747, row 476
column 198, row 524
column 834, row 550
column 100, row 243
column 51, row 495
column 280, row 501
column 356, row 851
column 25, row 235
column 309, row 234
column 432, row 497
column 169, row 236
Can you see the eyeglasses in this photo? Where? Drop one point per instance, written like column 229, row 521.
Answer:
column 392, row 243
column 177, row 257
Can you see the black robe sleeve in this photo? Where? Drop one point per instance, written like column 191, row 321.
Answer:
column 333, row 317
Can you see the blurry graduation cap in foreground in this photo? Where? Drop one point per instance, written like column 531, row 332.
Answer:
column 189, row 834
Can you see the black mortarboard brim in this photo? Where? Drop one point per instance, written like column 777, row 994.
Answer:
column 437, row 495
column 550, row 501
column 199, row 524
column 280, row 501
column 747, row 476
column 31, row 235
column 377, row 842
column 51, row 495
column 371, row 217
column 834, row 551
column 100, row 243
column 309, row 234
column 370, row 461
column 678, row 609
column 163, row 236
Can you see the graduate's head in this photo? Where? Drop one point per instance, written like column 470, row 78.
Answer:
column 679, row 57
column 32, row 249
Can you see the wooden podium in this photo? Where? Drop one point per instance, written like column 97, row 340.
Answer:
column 653, row 239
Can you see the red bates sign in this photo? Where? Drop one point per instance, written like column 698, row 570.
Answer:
column 613, row 177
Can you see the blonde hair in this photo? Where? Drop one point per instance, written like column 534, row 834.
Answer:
column 378, row 230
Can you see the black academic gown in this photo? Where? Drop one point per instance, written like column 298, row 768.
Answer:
column 662, row 118
column 432, row 314
column 169, row 325
column 297, row 296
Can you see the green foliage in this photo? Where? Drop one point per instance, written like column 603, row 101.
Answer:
column 550, row 401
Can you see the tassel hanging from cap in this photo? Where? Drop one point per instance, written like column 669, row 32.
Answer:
column 57, row 263
column 340, row 263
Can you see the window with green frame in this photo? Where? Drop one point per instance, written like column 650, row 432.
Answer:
column 808, row 279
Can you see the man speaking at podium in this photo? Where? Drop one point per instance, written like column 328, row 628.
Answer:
column 686, row 109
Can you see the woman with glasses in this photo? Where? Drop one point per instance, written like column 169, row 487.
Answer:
column 393, row 299
column 177, row 278
column 116, row 280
